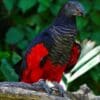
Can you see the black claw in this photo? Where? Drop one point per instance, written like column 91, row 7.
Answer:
column 60, row 89
column 44, row 86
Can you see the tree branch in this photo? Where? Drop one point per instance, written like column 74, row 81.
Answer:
column 24, row 91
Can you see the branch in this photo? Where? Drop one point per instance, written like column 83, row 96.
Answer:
column 24, row 91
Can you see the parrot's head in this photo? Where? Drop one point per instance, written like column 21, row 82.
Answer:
column 73, row 8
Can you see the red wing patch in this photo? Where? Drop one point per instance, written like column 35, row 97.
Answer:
column 33, row 72
column 75, row 53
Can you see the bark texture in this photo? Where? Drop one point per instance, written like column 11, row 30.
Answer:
column 23, row 91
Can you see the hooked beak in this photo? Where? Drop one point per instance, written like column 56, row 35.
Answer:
column 80, row 10
column 79, row 13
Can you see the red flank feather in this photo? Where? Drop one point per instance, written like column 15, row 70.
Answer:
column 34, row 72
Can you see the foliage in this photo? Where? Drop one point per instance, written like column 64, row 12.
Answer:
column 22, row 20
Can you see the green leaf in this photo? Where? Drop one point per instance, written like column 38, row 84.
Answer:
column 93, row 85
column 81, row 23
column 95, row 74
column 34, row 20
column 64, row 79
column 4, row 54
column 96, row 36
column 2, row 78
column 18, row 19
column 61, row 1
column 75, row 85
column 95, row 17
column 31, row 33
column 8, row 71
column 87, row 5
column 55, row 9
column 42, row 8
column 23, row 44
column 9, row 4
column 15, row 58
column 45, row 2
column 96, row 4
column 83, row 35
column 25, row 5
column 14, row 35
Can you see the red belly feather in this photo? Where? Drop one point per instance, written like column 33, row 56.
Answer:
column 34, row 72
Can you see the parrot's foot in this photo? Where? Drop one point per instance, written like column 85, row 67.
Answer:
column 44, row 86
column 59, row 88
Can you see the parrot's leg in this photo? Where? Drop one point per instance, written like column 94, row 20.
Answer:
column 60, row 88
column 44, row 86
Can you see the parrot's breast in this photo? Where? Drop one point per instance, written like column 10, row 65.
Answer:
column 63, row 39
column 53, row 72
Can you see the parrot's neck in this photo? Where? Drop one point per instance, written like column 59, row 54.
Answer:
column 63, row 32
column 64, row 20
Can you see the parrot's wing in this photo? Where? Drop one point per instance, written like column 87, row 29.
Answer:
column 38, row 39
column 42, row 37
column 75, row 53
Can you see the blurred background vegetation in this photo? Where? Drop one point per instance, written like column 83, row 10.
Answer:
column 22, row 20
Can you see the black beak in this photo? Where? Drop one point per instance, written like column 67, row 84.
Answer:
column 81, row 10
column 82, row 14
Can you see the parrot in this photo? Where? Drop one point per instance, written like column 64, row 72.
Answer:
column 53, row 51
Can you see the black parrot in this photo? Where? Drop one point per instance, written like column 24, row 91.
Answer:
column 54, row 51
